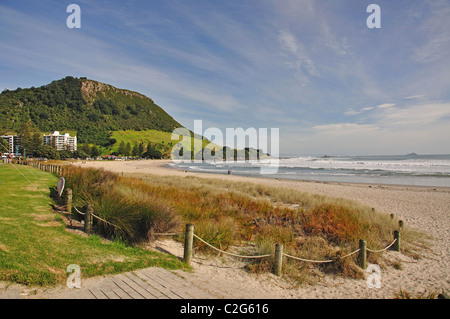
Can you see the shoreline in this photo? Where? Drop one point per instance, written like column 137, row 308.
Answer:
column 381, row 185
column 163, row 167
column 426, row 209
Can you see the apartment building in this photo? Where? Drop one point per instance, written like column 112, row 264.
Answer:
column 61, row 142
column 14, row 144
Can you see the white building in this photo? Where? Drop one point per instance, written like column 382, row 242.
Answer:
column 61, row 142
column 14, row 144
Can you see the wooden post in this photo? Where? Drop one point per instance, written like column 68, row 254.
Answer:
column 278, row 266
column 396, row 245
column 362, row 257
column 392, row 216
column 88, row 218
column 69, row 200
column 188, row 242
column 400, row 224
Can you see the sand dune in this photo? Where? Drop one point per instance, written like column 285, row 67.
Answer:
column 424, row 208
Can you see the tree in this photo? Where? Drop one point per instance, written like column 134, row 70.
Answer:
column 85, row 148
column 127, row 149
column 94, row 152
column 25, row 135
column 141, row 149
column 4, row 146
column 47, row 152
column 135, row 151
column 65, row 154
column 152, row 152
column 30, row 139
column 121, row 150
column 79, row 154
column 35, row 142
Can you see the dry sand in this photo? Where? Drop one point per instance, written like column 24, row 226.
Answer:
column 424, row 208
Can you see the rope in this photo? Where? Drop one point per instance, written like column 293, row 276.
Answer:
column 79, row 211
column 287, row 255
column 231, row 254
column 381, row 250
column 308, row 260
column 348, row 255
column 105, row 221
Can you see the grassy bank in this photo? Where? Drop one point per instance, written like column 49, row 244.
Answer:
column 35, row 248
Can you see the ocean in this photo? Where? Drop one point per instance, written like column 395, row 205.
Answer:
column 412, row 169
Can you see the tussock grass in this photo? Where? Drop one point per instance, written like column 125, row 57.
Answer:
column 132, row 212
column 227, row 213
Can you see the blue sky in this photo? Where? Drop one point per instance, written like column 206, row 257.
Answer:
column 313, row 69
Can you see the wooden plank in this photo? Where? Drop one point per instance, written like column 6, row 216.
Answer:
column 136, row 287
column 116, row 289
column 109, row 292
column 130, row 291
column 165, row 279
column 147, row 277
column 181, row 285
column 154, row 292
column 97, row 293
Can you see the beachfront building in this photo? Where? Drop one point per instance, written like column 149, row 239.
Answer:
column 14, row 144
column 61, row 142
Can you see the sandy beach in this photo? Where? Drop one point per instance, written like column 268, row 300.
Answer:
column 424, row 208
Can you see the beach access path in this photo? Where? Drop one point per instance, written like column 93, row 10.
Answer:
column 148, row 283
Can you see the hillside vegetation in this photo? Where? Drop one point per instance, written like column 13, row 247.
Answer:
column 91, row 108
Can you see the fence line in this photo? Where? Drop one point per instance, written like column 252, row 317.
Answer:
column 279, row 251
column 294, row 257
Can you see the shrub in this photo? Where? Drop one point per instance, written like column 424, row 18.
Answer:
column 132, row 214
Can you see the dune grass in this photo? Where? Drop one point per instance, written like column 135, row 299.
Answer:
column 229, row 213
column 237, row 215
column 35, row 248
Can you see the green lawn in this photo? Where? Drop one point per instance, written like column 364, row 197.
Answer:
column 156, row 137
column 35, row 248
column 153, row 136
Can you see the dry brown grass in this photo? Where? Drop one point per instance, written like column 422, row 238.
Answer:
column 227, row 213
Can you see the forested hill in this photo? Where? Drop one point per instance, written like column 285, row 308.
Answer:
column 91, row 108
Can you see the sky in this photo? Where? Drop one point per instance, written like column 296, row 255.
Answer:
column 311, row 68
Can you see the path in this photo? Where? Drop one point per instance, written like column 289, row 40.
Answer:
column 149, row 283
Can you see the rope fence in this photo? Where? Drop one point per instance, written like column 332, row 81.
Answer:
column 189, row 233
column 278, row 255
column 231, row 254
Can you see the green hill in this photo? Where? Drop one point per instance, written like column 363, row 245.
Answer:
column 91, row 108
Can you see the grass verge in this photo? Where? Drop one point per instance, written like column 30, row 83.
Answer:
column 35, row 248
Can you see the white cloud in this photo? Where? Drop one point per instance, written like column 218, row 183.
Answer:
column 345, row 128
column 353, row 112
column 415, row 116
column 298, row 58
column 386, row 105
column 415, row 96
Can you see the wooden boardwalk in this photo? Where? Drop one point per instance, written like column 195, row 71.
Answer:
column 149, row 283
